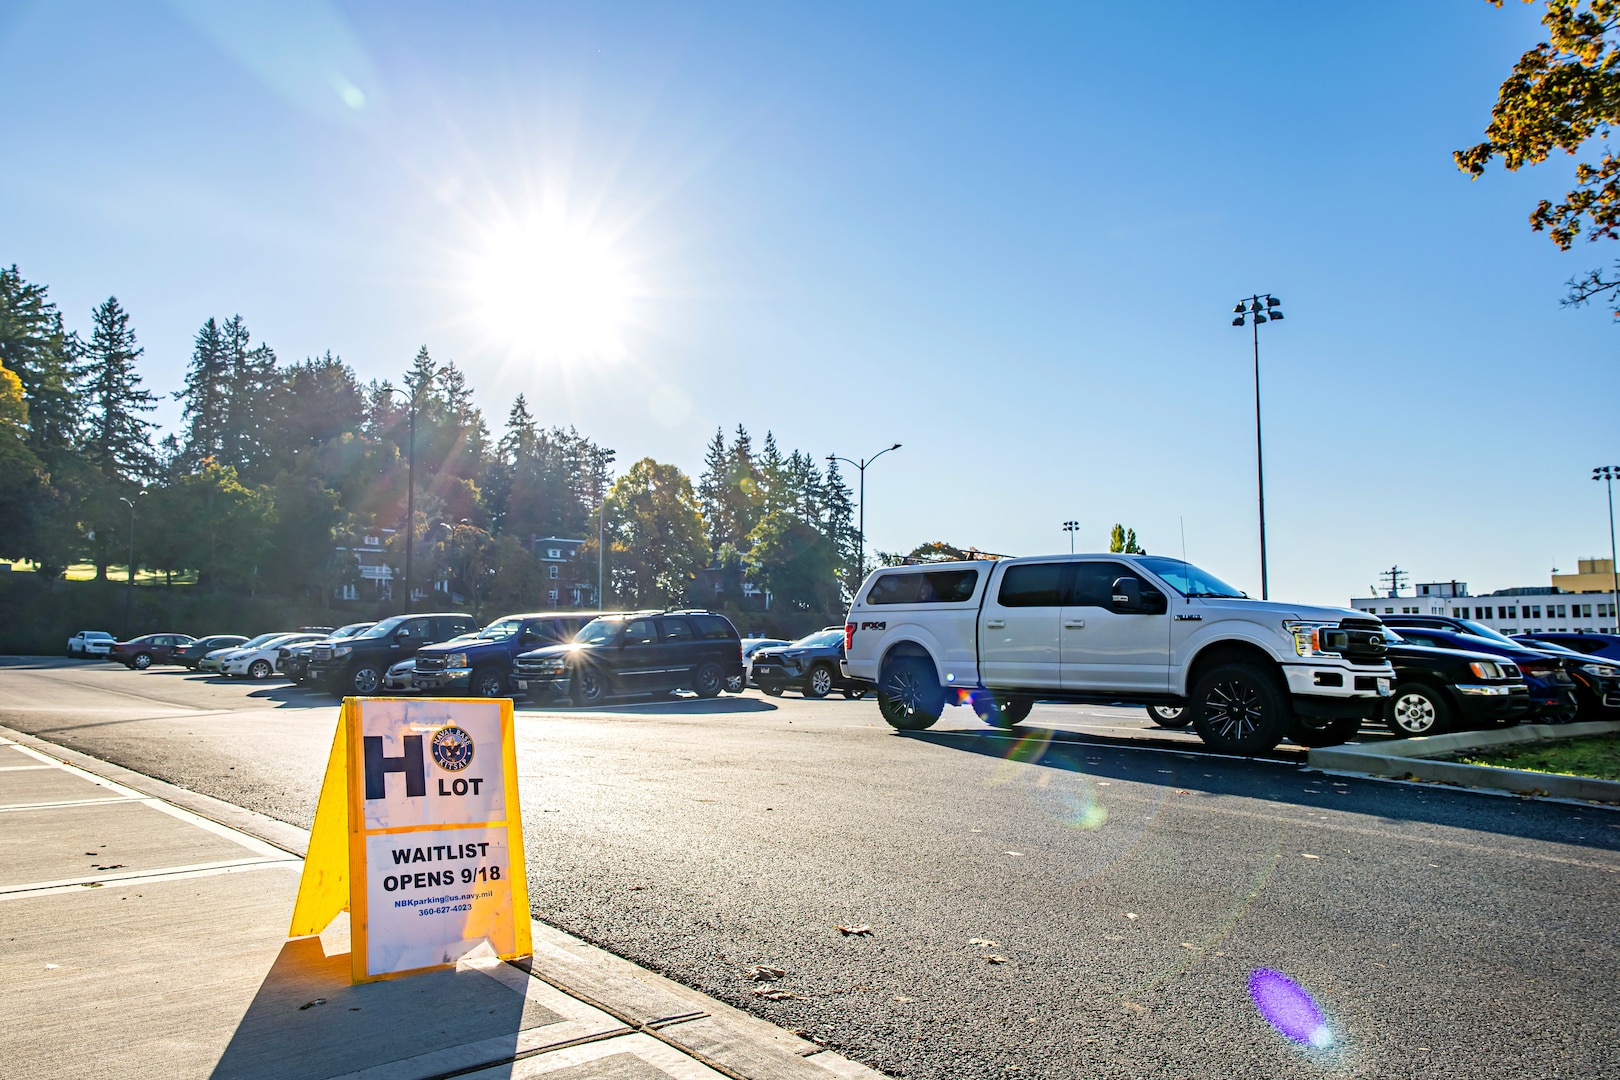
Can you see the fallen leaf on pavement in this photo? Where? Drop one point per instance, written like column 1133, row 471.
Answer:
column 1307, row 855
column 775, row 995
column 311, row 1004
column 994, row 959
column 1132, row 915
column 1013, row 853
column 857, row 931
column 764, row 973
column 1182, row 791
column 903, row 999
column 983, row 943
column 1188, row 945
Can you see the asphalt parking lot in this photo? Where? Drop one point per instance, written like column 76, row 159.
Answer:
column 1130, row 883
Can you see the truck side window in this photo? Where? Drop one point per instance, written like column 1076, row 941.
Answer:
column 641, row 632
column 677, row 630
column 1093, row 583
column 1032, row 585
column 895, row 589
column 948, row 586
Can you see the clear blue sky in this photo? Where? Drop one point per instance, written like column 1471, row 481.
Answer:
column 1008, row 237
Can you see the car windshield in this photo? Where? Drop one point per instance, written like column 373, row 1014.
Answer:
column 500, row 630
column 349, row 631
column 1188, row 580
column 97, row 635
column 752, row 647
column 254, row 643
column 1481, row 630
column 821, row 637
column 382, row 629
column 598, row 631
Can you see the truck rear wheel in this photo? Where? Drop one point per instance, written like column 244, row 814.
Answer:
column 1240, row 709
column 488, row 682
column 1002, row 712
column 909, row 695
column 1313, row 733
column 1170, row 716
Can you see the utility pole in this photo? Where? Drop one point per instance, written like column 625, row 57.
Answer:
column 1607, row 473
column 860, row 466
column 129, row 590
column 1394, row 577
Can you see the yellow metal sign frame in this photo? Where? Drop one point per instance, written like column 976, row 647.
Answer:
column 334, row 877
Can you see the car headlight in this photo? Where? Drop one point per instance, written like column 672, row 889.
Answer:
column 456, row 659
column 1602, row 671
column 343, row 650
column 1484, row 669
column 1309, row 639
column 550, row 667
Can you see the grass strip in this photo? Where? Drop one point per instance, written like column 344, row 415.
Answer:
column 1594, row 756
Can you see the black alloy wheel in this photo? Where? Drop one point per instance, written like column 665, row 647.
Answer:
column 1170, row 716
column 588, row 687
column 819, row 683
column 1240, row 709
column 772, row 689
column 909, row 694
column 488, row 682
column 365, row 679
column 260, row 670
column 708, row 680
column 1311, row 732
column 141, row 661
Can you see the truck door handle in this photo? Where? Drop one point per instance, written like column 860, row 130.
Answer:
column 1075, row 624
column 996, row 624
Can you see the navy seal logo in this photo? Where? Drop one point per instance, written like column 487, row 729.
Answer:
column 452, row 749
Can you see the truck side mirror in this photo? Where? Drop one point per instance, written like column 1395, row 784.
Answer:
column 1126, row 594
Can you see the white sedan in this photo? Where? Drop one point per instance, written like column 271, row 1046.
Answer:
column 260, row 663
column 750, row 646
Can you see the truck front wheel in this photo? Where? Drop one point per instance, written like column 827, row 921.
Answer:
column 909, row 696
column 1240, row 709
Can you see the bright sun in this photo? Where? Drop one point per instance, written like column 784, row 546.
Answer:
column 551, row 288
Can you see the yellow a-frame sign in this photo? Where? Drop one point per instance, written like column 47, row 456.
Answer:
column 419, row 836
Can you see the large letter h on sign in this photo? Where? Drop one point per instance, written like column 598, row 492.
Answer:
column 412, row 764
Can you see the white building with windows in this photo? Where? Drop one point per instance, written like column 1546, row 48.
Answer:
column 1535, row 609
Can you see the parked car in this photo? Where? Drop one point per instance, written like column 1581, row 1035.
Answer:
column 88, row 643
column 193, row 654
column 481, row 666
column 1597, row 680
column 1552, row 689
column 295, row 658
column 1107, row 628
column 812, row 665
column 261, row 663
column 358, row 665
column 750, row 647
column 400, row 679
column 1438, row 689
column 140, row 653
column 642, row 652
column 1604, row 646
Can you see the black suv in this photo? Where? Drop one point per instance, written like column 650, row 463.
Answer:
column 1440, row 690
column 357, row 665
column 480, row 667
column 810, row 665
column 642, row 652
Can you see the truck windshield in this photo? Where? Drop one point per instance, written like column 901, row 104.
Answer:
column 598, row 631
column 382, row 629
column 500, row 630
column 1188, row 580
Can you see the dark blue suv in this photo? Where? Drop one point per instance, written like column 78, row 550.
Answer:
column 481, row 667
column 1552, row 690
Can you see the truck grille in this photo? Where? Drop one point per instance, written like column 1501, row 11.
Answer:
column 430, row 665
column 321, row 652
column 530, row 668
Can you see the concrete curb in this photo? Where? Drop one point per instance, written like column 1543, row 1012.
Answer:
column 728, row 1040
column 1409, row 759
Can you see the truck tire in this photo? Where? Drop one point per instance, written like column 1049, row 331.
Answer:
column 708, row 680
column 1240, row 709
column 588, row 687
column 488, row 681
column 362, row 680
column 819, row 682
column 909, row 695
column 771, row 689
column 1314, row 733
column 1416, row 709
column 1002, row 712
column 1170, row 716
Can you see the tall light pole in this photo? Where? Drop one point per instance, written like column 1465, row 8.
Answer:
column 1071, row 527
column 410, row 489
column 1607, row 474
column 129, row 592
column 601, row 561
column 1257, row 309
column 860, row 467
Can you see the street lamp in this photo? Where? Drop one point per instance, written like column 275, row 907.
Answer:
column 1071, row 527
column 860, row 467
column 601, row 562
column 1608, row 473
column 1257, row 309
column 410, row 489
column 129, row 593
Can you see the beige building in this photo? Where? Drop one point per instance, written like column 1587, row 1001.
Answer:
column 1591, row 575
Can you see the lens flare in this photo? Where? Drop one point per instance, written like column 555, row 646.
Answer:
column 1289, row 1007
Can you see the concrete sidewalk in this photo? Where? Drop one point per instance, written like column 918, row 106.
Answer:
column 143, row 933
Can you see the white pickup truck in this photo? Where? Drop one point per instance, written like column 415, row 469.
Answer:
column 1101, row 629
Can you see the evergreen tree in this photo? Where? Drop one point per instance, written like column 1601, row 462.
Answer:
column 118, row 440
column 773, row 476
column 839, row 527
column 745, row 497
column 711, row 492
column 205, row 394
column 248, row 400
column 44, row 358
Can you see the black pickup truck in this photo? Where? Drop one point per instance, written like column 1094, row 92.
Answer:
column 482, row 667
column 356, row 666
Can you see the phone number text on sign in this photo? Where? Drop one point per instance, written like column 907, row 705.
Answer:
column 457, row 879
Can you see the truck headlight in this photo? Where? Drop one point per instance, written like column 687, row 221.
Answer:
column 343, row 650
column 550, row 667
column 1484, row 669
column 456, row 659
column 1315, row 639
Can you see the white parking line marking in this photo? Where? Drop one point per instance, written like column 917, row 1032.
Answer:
column 174, row 873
